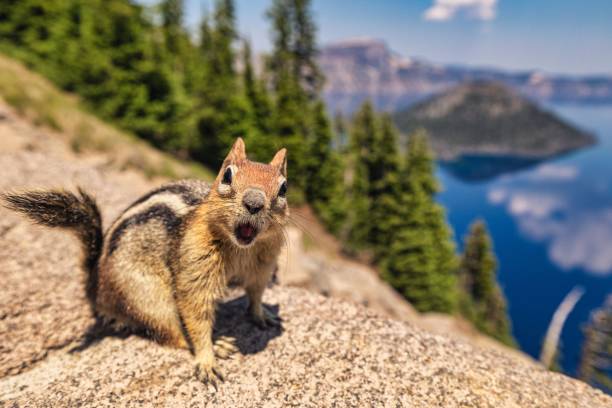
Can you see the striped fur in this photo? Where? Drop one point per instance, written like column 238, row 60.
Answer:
column 75, row 212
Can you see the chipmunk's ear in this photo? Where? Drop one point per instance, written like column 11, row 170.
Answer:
column 280, row 161
column 237, row 153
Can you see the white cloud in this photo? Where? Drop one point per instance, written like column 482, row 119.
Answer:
column 497, row 196
column 445, row 10
column 554, row 172
column 526, row 203
column 578, row 238
column 585, row 242
column 533, row 205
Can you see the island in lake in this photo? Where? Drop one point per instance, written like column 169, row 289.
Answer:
column 481, row 129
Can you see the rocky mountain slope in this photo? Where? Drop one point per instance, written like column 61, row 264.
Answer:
column 366, row 68
column 329, row 351
column 486, row 118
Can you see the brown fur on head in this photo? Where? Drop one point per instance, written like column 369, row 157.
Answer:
column 248, row 198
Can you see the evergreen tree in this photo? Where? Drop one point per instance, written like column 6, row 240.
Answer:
column 305, row 50
column 261, row 140
column 596, row 358
column 375, row 165
column 206, row 35
column 279, row 62
column 222, row 55
column 32, row 27
column 105, row 51
column 291, row 108
column 363, row 137
column 420, row 163
column 340, row 128
column 325, row 174
column 416, row 264
column 296, row 81
column 483, row 301
column 384, row 185
column 172, row 12
column 177, row 57
column 224, row 110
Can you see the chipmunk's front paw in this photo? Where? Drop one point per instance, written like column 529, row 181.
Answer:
column 265, row 318
column 225, row 347
column 208, row 373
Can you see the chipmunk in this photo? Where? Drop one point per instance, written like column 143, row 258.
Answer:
column 166, row 260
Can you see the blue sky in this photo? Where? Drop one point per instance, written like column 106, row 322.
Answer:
column 564, row 36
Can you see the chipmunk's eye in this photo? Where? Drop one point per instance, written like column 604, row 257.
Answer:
column 282, row 191
column 227, row 176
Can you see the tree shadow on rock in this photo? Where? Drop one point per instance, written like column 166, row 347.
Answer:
column 231, row 320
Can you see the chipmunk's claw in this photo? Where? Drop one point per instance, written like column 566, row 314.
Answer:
column 209, row 374
column 225, row 347
column 266, row 319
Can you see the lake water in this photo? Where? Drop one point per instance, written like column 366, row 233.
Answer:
column 551, row 223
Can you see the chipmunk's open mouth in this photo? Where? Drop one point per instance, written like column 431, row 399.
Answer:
column 245, row 233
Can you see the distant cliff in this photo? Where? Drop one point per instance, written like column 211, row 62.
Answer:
column 485, row 118
column 367, row 68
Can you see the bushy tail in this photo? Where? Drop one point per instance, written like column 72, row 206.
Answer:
column 76, row 212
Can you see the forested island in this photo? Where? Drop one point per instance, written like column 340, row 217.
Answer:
column 488, row 119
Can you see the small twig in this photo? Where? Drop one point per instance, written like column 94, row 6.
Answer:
column 551, row 341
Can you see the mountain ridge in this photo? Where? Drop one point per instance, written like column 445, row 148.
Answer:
column 361, row 68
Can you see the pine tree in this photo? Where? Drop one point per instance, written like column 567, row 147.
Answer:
column 420, row 162
column 483, row 301
column 417, row 264
column 375, row 165
column 172, row 12
column 31, row 27
column 178, row 59
column 384, row 183
column 223, row 110
column 325, row 174
column 279, row 62
column 363, row 137
column 596, row 357
column 291, row 119
column 409, row 264
column 105, row 51
column 305, row 50
column 223, row 37
column 261, row 141
column 340, row 128
column 296, row 80
column 205, row 33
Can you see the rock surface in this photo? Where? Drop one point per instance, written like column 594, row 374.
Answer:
column 328, row 352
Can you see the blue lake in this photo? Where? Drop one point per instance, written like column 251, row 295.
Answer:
column 551, row 223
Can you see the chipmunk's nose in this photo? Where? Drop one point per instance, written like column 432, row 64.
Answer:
column 254, row 200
